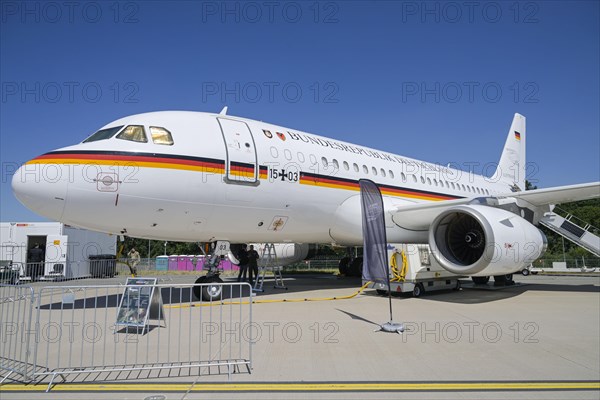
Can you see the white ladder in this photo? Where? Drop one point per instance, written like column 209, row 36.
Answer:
column 270, row 257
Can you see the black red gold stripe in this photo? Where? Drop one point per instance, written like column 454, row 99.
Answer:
column 151, row 160
column 202, row 164
column 307, row 178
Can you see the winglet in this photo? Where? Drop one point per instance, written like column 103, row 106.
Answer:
column 512, row 166
column 223, row 111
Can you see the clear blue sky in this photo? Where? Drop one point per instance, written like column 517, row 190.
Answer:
column 432, row 80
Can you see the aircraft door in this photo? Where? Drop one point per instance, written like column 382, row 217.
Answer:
column 241, row 152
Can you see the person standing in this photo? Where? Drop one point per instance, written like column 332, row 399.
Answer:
column 134, row 260
column 243, row 263
column 253, row 264
column 35, row 261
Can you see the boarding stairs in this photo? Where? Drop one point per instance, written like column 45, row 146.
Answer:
column 575, row 230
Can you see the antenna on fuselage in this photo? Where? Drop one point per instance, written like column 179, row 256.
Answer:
column 223, row 111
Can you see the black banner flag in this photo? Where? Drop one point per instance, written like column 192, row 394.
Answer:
column 375, row 267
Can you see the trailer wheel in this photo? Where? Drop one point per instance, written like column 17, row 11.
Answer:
column 418, row 290
column 213, row 291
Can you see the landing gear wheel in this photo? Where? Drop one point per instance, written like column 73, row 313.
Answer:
column 343, row 265
column 457, row 287
column 197, row 290
column 480, row 280
column 525, row 272
column 213, row 291
column 418, row 290
column 509, row 280
column 355, row 268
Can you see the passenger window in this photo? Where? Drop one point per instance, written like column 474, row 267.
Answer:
column 365, row 169
column 382, row 172
column 391, row 174
column 134, row 133
column 403, row 176
column 161, row 136
column 414, row 178
column 336, row 164
column 429, row 181
column 422, row 180
column 355, row 166
column 324, row 162
column 374, row 170
column 346, row 166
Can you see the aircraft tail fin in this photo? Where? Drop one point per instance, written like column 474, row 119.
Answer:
column 512, row 166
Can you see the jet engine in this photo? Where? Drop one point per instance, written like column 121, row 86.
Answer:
column 479, row 240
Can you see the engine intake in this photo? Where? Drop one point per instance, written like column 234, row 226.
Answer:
column 480, row 240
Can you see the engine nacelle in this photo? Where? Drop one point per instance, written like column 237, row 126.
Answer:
column 482, row 241
column 286, row 253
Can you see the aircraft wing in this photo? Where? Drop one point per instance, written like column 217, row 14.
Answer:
column 560, row 194
column 419, row 217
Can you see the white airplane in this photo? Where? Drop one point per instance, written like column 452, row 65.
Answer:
column 202, row 177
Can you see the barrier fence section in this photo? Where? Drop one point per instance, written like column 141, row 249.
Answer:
column 113, row 328
column 16, row 315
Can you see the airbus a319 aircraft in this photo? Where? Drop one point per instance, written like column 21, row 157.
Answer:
column 202, row 177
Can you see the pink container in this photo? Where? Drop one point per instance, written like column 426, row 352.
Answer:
column 182, row 263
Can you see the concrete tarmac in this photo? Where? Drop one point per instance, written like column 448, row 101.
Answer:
column 540, row 339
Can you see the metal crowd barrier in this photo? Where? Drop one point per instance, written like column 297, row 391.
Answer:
column 103, row 331
column 16, row 316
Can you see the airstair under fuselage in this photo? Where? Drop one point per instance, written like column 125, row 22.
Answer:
column 567, row 228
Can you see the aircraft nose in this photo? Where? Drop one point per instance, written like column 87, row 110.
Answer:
column 42, row 188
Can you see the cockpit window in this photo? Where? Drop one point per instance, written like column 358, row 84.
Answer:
column 135, row 133
column 161, row 136
column 103, row 134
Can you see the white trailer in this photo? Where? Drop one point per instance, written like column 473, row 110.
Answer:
column 65, row 252
column 414, row 270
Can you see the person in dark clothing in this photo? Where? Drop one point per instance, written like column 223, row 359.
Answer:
column 243, row 259
column 253, row 264
column 35, row 259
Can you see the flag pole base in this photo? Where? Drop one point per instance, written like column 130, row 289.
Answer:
column 391, row 327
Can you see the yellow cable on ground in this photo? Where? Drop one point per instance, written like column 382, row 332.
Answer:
column 226, row 303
